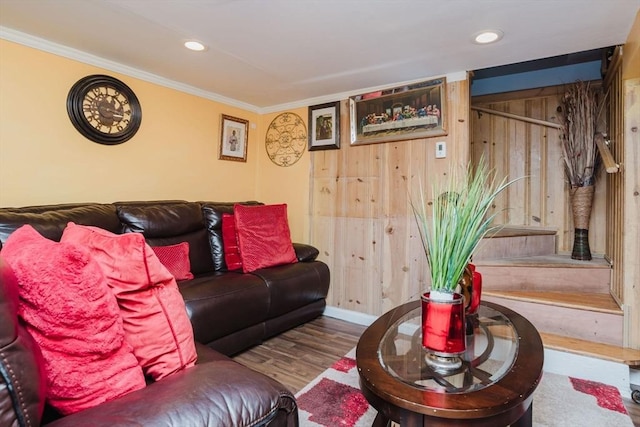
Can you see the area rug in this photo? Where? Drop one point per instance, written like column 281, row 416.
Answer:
column 334, row 399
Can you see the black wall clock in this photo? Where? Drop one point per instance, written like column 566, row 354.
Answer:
column 104, row 109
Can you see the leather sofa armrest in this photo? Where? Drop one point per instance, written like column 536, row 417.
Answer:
column 305, row 252
column 217, row 393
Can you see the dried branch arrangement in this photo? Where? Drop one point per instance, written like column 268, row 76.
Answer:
column 581, row 114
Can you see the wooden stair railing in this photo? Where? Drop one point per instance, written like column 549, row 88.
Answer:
column 607, row 158
column 517, row 117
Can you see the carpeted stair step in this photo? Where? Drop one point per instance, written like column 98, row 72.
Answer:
column 608, row 352
column 551, row 273
column 514, row 242
column 593, row 317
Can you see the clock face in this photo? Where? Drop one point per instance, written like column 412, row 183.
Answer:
column 104, row 109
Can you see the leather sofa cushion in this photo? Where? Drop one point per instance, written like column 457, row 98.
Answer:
column 294, row 286
column 212, row 213
column 74, row 318
column 154, row 317
column 22, row 379
column 219, row 392
column 167, row 223
column 50, row 220
column 240, row 340
column 221, row 303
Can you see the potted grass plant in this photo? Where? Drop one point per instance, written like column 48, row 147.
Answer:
column 451, row 228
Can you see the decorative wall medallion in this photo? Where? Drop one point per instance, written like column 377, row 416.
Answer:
column 286, row 139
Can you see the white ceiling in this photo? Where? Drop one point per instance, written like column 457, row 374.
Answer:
column 266, row 54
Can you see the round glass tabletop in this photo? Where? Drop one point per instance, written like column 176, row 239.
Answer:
column 491, row 351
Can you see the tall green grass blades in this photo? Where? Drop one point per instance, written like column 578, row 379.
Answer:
column 459, row 220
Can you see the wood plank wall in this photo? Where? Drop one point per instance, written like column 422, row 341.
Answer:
column 630, row 281
column 623, row 201
column 361, row 219
column 516, row 148
column 615, row 182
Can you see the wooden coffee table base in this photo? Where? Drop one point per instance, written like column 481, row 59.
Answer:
column 388, row 413
column 505, row 400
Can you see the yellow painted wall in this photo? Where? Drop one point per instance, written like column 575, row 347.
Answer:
column 290, row 184
column 174, row 155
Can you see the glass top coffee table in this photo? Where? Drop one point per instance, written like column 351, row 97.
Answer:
column 501, row 368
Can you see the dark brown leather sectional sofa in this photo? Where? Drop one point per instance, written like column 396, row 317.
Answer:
column 229, row 311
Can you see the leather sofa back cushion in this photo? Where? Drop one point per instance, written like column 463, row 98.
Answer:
column 23, row 383
column 74, row 318
column 263, row 236
column 212, row 213
column 176, row 259
column 168, row 223
column 50, row 220
column 230, row 241
column 153, row 311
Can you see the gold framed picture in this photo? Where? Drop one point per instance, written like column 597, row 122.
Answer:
column 234, row 133
column 405, row 112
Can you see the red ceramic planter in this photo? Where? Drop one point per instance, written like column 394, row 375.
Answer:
column 443, row 325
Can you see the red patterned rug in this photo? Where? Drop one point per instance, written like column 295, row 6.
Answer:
column 333, row 399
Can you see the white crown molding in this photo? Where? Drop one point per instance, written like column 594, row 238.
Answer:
column 86, row 58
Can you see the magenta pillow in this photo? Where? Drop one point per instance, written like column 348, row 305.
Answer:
column 230, row 244
column 153, row 311
column 176, row 259
column 74, row 318
column 263, row 236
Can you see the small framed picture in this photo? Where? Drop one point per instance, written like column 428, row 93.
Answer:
column 324, row 126
column 234, row 134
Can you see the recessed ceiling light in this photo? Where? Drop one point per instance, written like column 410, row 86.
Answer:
column 488, row 36
column 194, row 45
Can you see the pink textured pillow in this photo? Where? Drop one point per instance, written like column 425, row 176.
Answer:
column 153, row 311
column 176, row 259
column 263, row 236
column 230, row 243
column 74, row 318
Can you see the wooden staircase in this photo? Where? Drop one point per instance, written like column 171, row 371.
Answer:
column 568, row 301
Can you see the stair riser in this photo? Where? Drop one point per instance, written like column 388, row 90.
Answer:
column 521, row 278
column 515, row 246
column 570, row 322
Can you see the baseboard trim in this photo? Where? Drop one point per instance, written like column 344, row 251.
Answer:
column 350, row 315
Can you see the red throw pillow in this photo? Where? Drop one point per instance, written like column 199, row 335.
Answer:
column 230, row 243
column 74, row 318
column 263, row 236
column 153, row 311
column 176, row 259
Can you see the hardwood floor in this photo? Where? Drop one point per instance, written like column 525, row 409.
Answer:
column 299, row 355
